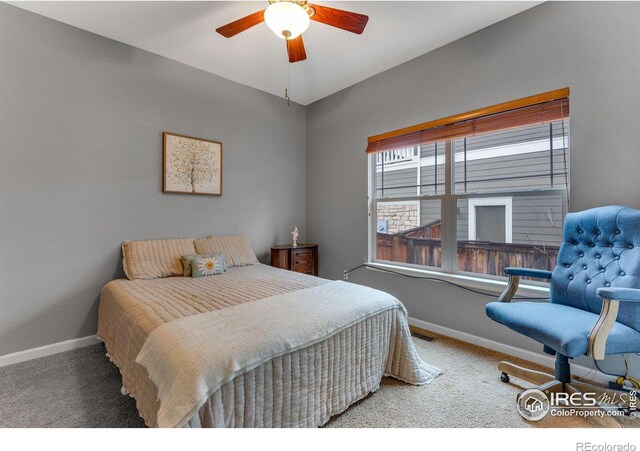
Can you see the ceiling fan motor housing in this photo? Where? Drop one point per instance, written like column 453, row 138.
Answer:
column 303, row 3
column 287, row 19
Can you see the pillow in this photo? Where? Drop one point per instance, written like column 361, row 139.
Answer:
column 236, row 249
column 188, row 259
column 155, row 259
column 207, row 266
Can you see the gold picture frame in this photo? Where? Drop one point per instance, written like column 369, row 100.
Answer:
column 191, row 165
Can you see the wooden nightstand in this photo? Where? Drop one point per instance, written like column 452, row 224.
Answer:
column 302, row 258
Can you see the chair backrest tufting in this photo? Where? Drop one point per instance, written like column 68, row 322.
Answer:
column 600, row 248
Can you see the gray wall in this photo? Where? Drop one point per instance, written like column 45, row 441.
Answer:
column 594, row 48
column 81, row 121
column 80, row 155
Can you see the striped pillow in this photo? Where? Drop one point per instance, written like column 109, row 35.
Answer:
column 154, row 259
column 236, row 249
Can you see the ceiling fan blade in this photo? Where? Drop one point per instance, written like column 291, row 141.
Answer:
column 240, row 25
column 346, row 20
column 295, row 48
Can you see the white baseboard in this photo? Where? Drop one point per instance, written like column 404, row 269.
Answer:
column 541, row 359
column 545, row 360
column 43, row 351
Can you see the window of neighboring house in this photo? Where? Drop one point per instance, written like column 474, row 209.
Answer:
column 491, row 219
column 473, row 193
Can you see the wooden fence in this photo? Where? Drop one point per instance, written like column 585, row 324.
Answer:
column 421, row 246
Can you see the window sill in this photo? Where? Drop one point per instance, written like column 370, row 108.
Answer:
column 478, row 283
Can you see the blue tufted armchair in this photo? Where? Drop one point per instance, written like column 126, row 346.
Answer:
column 594, row 308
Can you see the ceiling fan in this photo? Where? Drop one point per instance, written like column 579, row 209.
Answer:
column 290, row 18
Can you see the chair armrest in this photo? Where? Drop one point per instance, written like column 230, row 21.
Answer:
column 620, row 294
column 526, row 272
column 611, row 298
column 514, row 280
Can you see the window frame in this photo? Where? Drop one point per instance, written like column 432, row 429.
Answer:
column 449, row 238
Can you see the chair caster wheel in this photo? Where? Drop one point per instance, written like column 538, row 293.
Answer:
column 504, row 377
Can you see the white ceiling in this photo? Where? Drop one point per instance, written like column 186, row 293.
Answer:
column 336, row 59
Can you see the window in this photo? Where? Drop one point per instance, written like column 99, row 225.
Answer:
column 491, row 219
column 473, row 193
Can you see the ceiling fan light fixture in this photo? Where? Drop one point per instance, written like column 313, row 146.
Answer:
column 286, row 19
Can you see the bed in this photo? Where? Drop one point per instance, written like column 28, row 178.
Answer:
column 255, row 346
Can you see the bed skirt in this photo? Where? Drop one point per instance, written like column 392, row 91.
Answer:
column 307, row 387
column 310, row 385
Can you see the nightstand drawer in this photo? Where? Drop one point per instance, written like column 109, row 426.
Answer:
column 303, row 266
column 300, row 256
column 303, row 259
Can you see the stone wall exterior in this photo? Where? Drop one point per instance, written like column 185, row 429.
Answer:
column 399, row 217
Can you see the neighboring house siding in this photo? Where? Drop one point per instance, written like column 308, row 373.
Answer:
column 491, row 174
column 538, row 219
column 434, row 173
column 429, row 211
column 395, row 180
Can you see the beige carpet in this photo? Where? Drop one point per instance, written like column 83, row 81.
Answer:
column 469, row 393
column 81, row 388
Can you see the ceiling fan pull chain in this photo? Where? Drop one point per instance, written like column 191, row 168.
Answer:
column 286, row 87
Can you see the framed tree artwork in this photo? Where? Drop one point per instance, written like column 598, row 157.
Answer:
column 191, row 165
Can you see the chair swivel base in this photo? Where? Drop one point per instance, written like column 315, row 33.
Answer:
column 548, row 383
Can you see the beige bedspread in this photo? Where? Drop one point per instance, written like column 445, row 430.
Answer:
column 191, row 358
column 292, row 384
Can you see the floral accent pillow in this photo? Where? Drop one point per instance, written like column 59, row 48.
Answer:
column 187, row 262
column 207, row 266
